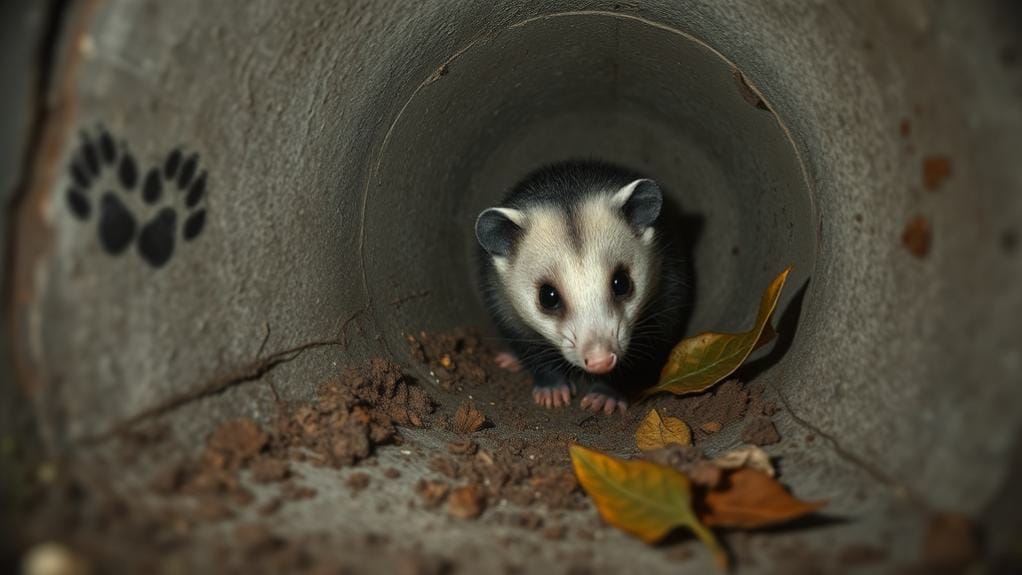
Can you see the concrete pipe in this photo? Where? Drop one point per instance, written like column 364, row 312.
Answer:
column 345, row 149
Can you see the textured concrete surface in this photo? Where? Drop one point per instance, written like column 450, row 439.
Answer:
column 348, row 147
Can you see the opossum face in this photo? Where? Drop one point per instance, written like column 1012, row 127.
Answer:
column 580, row 276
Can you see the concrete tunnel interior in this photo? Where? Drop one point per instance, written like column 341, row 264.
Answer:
column 347, row 150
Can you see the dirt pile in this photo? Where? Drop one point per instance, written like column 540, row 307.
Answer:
column 518, row 472
column 352, row 414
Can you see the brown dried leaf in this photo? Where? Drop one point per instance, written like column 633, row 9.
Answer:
column 748, row 499
column 656, row 432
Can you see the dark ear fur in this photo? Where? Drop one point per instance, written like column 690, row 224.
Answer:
column 497, row 232
column 642, row 200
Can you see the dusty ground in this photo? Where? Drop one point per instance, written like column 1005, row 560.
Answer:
column 460, row 474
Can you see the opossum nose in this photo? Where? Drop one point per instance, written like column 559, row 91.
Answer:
column 600, row 362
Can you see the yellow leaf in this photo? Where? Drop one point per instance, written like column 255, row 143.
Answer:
column 748, row 499
column 698, row 362
column 655, row 432
column 642, row 498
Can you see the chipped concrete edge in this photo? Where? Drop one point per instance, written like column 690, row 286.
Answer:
column 30, row 233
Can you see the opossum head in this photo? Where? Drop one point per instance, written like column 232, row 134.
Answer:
column 579, row 273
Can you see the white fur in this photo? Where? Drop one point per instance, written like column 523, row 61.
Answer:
column 582, row 279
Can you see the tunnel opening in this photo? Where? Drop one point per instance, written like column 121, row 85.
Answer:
column 597, row 85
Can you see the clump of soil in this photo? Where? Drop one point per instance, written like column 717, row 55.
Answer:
column 352, row 414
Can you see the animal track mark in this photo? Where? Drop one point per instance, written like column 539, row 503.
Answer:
column 99, row 162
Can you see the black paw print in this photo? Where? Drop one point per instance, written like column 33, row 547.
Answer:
column 164, row 188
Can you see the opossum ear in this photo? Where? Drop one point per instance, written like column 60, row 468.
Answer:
column 640, row 201
column 497, row 230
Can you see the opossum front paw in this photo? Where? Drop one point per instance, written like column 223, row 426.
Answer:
column 604, row 398
column 551, row 394
column 508, row 361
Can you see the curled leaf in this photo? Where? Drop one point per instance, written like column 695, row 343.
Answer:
column 655, row 432
column 748, row 499
column 749, row 456
column 699, row 362
column 642, row 498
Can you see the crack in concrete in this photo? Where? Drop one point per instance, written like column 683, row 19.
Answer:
column 250, row 371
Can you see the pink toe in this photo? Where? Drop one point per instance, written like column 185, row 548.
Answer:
column 566, row 396
column 507, row 361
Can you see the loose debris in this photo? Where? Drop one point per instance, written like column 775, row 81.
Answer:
column 351, row 415
column 518, row 472
column 453, row 359
column 360, row 410
column 711, row 426
column 678, row 487
column 468, row 419
column 466, row 502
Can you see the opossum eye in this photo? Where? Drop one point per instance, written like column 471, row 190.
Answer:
column 621, row 284
column 549, row 298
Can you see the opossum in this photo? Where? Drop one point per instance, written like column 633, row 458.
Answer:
column 581, row 282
